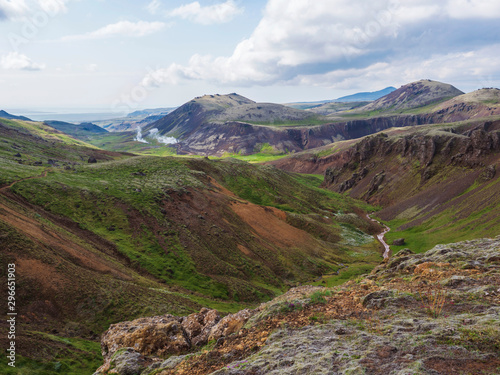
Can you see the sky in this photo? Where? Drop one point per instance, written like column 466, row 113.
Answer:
column 128, row 55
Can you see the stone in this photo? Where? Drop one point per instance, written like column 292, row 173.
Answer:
column 489, row 173
column 376, row 299
column 404, row 253
column 398, row 242
column 230, row 324
column 158, row 336
column 198, row 326
column 128, row 362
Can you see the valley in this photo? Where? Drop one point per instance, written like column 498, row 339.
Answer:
column 255, row 209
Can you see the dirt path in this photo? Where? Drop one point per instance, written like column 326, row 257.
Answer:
column 5, row 188
column 381, row 235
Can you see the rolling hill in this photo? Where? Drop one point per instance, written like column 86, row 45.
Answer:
column 82, row 131
column 100, row 237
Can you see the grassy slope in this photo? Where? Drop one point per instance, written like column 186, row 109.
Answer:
column 475, row 216
column 36, row 142
column 118, row 200
column 472, row 213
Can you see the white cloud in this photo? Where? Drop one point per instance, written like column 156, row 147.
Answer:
column 17, row 61
column 303, row 38
column 24, row 8
column 154, row 6
column 122, row 28
column 207, row 15
column 91, row 68
column 463, row 9
column 478, row 65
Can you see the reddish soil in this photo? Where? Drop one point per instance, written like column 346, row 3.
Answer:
column 39, row 232
column 269, row 223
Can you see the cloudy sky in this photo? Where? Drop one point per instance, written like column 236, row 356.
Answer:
column 118, row 55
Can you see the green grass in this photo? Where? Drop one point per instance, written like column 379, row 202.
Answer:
column 12, row 171
column 312, row 121
column 38, row 143
column 123, row 142
column 93, row 196
column 350, row 272
column 255, row 158
column 473, row 217
column 69, row 356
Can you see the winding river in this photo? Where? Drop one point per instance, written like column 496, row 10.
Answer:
column 381, row 235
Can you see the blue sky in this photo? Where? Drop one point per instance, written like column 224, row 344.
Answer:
column 118, row 55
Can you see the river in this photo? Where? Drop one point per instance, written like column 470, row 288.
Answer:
column 381, row 235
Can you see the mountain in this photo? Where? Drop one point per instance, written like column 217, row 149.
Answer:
column 413, row 95
column 133, row 120
column 150, row 112
column 158, row 256
column 81, row 131
column 476, row 104
column 366, row 96
column 222, row 109
column 217, row 124
column 355, row 98
column 8, row 116
column 232, row 124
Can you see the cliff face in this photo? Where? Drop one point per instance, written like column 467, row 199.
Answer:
column 216, row 139
column 432, row 313
column 217, row 124
column 422, row 153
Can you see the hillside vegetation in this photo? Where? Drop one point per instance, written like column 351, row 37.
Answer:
column 100, row 237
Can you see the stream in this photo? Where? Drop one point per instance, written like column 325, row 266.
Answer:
column 381, row 235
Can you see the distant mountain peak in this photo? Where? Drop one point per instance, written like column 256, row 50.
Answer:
column 230, row 100
column 413, row 95
column 366, row 96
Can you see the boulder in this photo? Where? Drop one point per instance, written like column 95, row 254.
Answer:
column 230, row 324
column 158, row 336
column 399, row 242
column 128, row 362
column 199, row 325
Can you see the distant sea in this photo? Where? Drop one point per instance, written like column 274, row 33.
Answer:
column 75, row 115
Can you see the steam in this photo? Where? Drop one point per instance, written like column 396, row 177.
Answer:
column 154, row 134
column 138, row 137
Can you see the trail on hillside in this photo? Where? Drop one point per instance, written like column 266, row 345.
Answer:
column 5, row 188
column 381, row 235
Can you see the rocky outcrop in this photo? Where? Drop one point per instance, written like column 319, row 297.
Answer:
column 465, row 150
column 431, row 313
column 127, row 345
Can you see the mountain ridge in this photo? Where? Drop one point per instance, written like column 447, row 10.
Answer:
column 9, row 116
column 366, row 96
